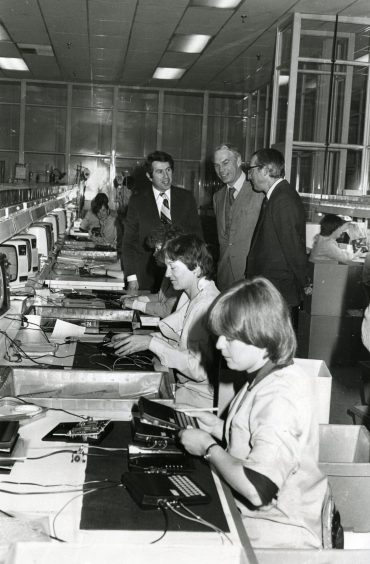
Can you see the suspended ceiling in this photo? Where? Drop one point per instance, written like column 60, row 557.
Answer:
column 124, row 41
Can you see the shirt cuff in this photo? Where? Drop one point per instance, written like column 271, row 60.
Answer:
column 140, row 306
column 132, row 278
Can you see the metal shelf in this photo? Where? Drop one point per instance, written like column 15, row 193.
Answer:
column 15, row 220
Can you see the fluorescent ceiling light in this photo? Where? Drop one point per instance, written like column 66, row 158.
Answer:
column 193, row 43
column 363, row 59
column 168, row 73
column 11, row 63
column 216, row 3
column 32, row 49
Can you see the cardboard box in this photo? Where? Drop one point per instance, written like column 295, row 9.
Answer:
column 336, row 340
column 336, row 289
column 231, row 382
column 345, row 458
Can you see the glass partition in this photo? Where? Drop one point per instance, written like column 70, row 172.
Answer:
column 321, row 103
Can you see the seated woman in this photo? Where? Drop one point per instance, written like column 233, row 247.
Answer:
column 163, row 302
column 271, row 432
column 325, row 246
column 99, row 223
column 183, row 341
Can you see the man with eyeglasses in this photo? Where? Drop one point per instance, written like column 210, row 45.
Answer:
column 236, row 208
column 278, row 250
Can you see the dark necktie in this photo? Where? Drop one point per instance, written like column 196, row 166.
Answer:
column 231, row 192
column 165, row 210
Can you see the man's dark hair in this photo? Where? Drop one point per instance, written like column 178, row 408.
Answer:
column 100, row 200
column 330, row 223
column 160, row 156
column 273, row 160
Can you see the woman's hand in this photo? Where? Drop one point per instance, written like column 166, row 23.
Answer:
column 196, row 441
column 124, row 344
column 127, row 301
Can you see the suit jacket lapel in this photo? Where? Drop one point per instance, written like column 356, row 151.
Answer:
column 150, row 204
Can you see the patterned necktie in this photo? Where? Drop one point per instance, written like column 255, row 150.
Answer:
column 165, row 210
column 231, row 192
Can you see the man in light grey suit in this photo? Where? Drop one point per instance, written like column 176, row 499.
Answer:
column 237, row 208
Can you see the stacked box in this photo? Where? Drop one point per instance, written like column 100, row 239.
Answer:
column 345, row 459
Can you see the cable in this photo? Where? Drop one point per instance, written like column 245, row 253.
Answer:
column 197, row 519
column 19, row 398
column 75, row 497
column 30, row 525
column 56, row 485
column 164, row 513
column 63, row 451
column 38, row 328
column 22, row 353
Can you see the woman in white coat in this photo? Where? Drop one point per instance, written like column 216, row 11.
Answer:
column 183, row 342
column 268, row 449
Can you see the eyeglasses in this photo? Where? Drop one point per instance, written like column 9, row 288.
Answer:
column 249, row 168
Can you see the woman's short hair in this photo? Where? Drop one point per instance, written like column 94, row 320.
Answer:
column 330, row 223
column 100, row 200
column 253, row 311
column 192, row 251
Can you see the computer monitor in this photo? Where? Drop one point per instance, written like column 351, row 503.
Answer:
column 44, row 237
column 4, row 285
column 29, row 252
column 53, row 221
column 62, row 215
column 35, row 255
column 16, row 253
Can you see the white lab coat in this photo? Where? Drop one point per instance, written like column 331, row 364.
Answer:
column 185, row 344
column 273, row 429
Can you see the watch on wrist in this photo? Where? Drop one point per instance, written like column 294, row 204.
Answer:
column 207, row 454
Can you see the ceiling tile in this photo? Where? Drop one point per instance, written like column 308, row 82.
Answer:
column 8, row 49
column 203, row 20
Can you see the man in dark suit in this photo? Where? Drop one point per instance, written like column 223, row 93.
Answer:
column 278, row 249
column 149, row 208
column 236, row 208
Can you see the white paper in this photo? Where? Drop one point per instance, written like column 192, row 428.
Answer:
column 34, row 320
column 63, row 329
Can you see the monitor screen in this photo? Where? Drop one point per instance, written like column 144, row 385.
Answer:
column 52, row 221
column 27, row 242
column 62, row 219
column 50, row 237
column 31, row 237
column 48, row 230
column 4, row 285
column 12, row 258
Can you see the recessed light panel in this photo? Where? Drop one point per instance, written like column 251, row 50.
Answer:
column 13, row 64
column 193, row 43
column 32, row 49
column 168, row 73
column 363, row 59
column 216, row 3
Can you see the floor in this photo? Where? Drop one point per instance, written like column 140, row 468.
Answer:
column 345, row 393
